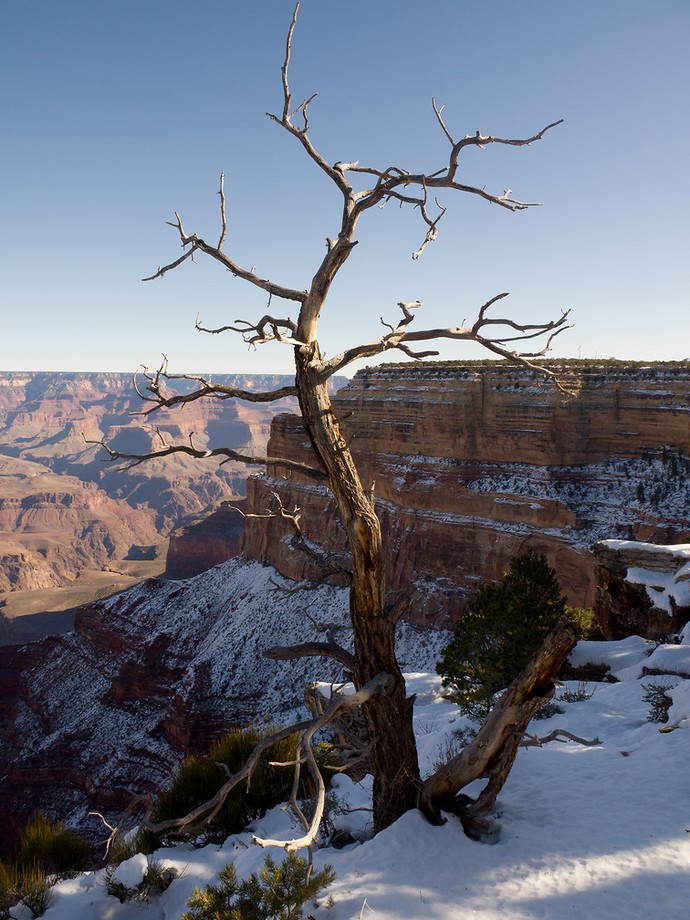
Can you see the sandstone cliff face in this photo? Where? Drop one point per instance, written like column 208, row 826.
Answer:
column 202, row 544
column 475, row 463
column 64, row 510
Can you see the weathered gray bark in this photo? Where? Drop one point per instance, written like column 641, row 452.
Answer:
column 493, row 750
column 389, row 715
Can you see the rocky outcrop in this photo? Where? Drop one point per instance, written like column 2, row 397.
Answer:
column 54, row 526
column 202, row 544
column 642, row 589
column 474, row 463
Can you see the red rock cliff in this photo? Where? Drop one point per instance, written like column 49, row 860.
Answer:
column 474, row 463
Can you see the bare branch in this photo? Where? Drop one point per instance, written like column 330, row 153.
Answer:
column 162, row 399
column 496, row 744
column 399, row 337
column 223, row 221
column 167, row 450
column 558, row 734
column 335, row 173
column 257, row 333
column 437, row 113
column 209, row 809
column 377, row 685
column 215, row 252
column 311, row 650
column 327, row 562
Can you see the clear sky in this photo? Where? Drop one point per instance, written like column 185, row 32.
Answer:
column 114, row 115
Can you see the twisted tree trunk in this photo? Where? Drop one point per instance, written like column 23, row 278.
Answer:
column 494, row 749
column 389, row 715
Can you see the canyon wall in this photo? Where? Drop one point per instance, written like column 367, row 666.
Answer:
column 473, row 463
column 92, row 717
column 64, row 510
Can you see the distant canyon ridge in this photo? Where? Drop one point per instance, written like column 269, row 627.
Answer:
column 71, row 524
column 470, row 463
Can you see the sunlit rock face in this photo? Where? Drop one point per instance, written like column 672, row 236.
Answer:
column 642, row 589
column 474, row 463
column 63, row 509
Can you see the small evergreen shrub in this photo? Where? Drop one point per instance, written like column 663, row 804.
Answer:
column 199, row 778
column 576, row 696
column 585, row 620
column 28, row 884
column 47, row 852
column 659, row 702
column 35, row 890
column 550, row 708
column 500, row 632
column 52, row 847
column 155, row 880
column 278, row 892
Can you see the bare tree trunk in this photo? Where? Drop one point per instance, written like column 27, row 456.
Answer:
column 389, row 715
column 494, row 749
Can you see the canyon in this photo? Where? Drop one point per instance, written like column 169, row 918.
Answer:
column 473, row 463
column 73, row 526
column 469, row 464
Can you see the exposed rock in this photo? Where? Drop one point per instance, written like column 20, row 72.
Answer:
column 53, row 526
column 474, row 463
column 202, row 544
column 90, row 718
column 642, row 589
column 64, row 510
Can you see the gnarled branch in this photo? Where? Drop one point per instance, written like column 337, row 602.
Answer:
column 167, row 450
column 338, row 703
column 494, row 748
column 400, row 335
column 165, row 400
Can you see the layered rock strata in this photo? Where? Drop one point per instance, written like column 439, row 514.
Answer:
column 93, row 717
column 473, row 463
column 64, row 510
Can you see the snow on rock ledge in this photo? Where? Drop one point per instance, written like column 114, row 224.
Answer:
column 642, row 588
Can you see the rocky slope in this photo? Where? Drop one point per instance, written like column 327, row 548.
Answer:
column 474, row 463
column 63, row 509
column 92, row 716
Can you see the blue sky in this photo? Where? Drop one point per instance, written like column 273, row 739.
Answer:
column 114, row 115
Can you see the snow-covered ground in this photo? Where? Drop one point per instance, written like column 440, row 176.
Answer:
column 589, row 832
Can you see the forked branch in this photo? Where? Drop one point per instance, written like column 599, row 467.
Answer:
column 400, row 337
column 163, row 398
column 190, row 450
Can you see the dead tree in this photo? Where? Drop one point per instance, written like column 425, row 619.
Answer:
column 493, row 750
column 359, row 188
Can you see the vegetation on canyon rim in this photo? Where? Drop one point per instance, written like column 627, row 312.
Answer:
column 380, row 687
column 47, row 853
column 503, row 627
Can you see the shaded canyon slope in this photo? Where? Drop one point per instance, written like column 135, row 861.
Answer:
column 473, row 463
column 63, row 510
column 91, row 717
